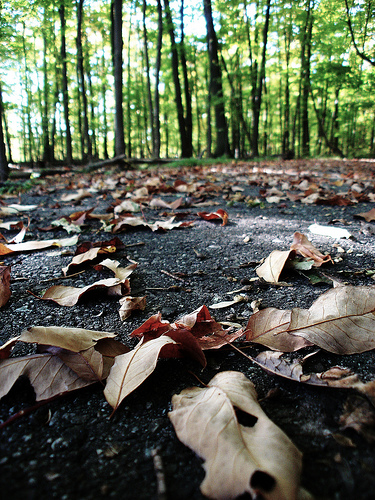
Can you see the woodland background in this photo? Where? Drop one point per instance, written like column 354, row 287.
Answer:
column 86, row 79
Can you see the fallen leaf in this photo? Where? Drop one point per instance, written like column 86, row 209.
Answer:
column 48, row 375
column 228, row 303
column 219, row 214
column 15, row 209
column 273, row 266
column 368, row 216
column 5, row 292
column 121, row 273
column 341, row 321
column 130, row 304
column 69, row 295
column 81, row 194
column 302, row 246
column 133, row 368
column 29, row 246
column 243, row 450
column 6, row 348
column 360, row 416
column 72, row 339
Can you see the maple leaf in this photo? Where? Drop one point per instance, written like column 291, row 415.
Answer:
column 133, row 368
column 243, row 450
column 5, row 292
column 340, row 321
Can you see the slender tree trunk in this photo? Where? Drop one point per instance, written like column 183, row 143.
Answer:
column 7, row 135
column 81, row 81
column 47, row 156
column 305, row 79
column 187, row 91
column 156, row 145
column 185, row 147
column 4, row 169
column 68, row 136
column 148, row 71
column 29, row 132
column 216, row 86
column 258, row 96
column 117, row 65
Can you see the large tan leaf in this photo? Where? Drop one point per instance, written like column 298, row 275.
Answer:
column 72, row 339
column 48, row 375
column 69, row 295
column 132, row 368
column 28, row 246
column 269, row 327
column 244, row 451
column 341, row 320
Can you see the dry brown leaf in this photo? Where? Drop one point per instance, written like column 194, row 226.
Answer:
column 129, row 304
column 360, row 416
column 219, row 214
column 335, row 377
column 5, row 292
column 121, row 273
column 48, row 375
column 70, row 295
column 302, row 246
column 269, row 327
column 133, row 368
column 29, row 246
column 272, row 267
column 6, row 348
column 72, row 339
column 244, row 451
column 341, row 321
column 368, row 216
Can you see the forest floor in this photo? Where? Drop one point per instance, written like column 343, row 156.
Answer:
column 70, row 448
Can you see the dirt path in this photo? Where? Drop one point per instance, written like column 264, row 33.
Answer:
column 70, row 448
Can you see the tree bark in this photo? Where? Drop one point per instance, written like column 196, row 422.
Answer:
column 156, row 114
column 258, row 95
column 216, row 85
column 4, row 168
column 68, row 136
column 117, row 65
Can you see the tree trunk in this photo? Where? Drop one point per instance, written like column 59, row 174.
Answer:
column 305, row 78
column 117, row 68
column 156, row 114
column 185, row 146
column 68, row 137
column 258, row 95
column 4, row 169
column 47, row 156
column 81, row 82
column 216, row 86
column 187, row 92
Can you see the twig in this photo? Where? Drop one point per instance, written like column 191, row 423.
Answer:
column 63, row 277
column 172, row 275
column 27, row 411
column 160, row 476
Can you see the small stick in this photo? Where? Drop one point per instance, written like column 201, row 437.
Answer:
column 160, row 477
column 172, row 275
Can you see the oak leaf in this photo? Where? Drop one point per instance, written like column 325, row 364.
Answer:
column 243, row 450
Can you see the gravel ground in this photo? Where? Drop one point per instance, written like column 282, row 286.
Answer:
column 70, row 448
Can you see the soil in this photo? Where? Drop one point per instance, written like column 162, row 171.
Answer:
column 69, row 448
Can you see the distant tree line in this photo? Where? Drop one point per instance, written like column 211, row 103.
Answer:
column 88, row 79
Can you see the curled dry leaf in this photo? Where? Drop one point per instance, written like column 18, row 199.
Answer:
column 243, row 450
column 48, row 375
column 133, row 368
column 341, row 321
column 277, row 261
column 5, row 292
column 70, row 295
column 129, row 304
column 219, row 214
column 335, row 377
column 29, row 246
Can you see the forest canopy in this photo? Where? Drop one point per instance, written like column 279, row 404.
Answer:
column 94, row 79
